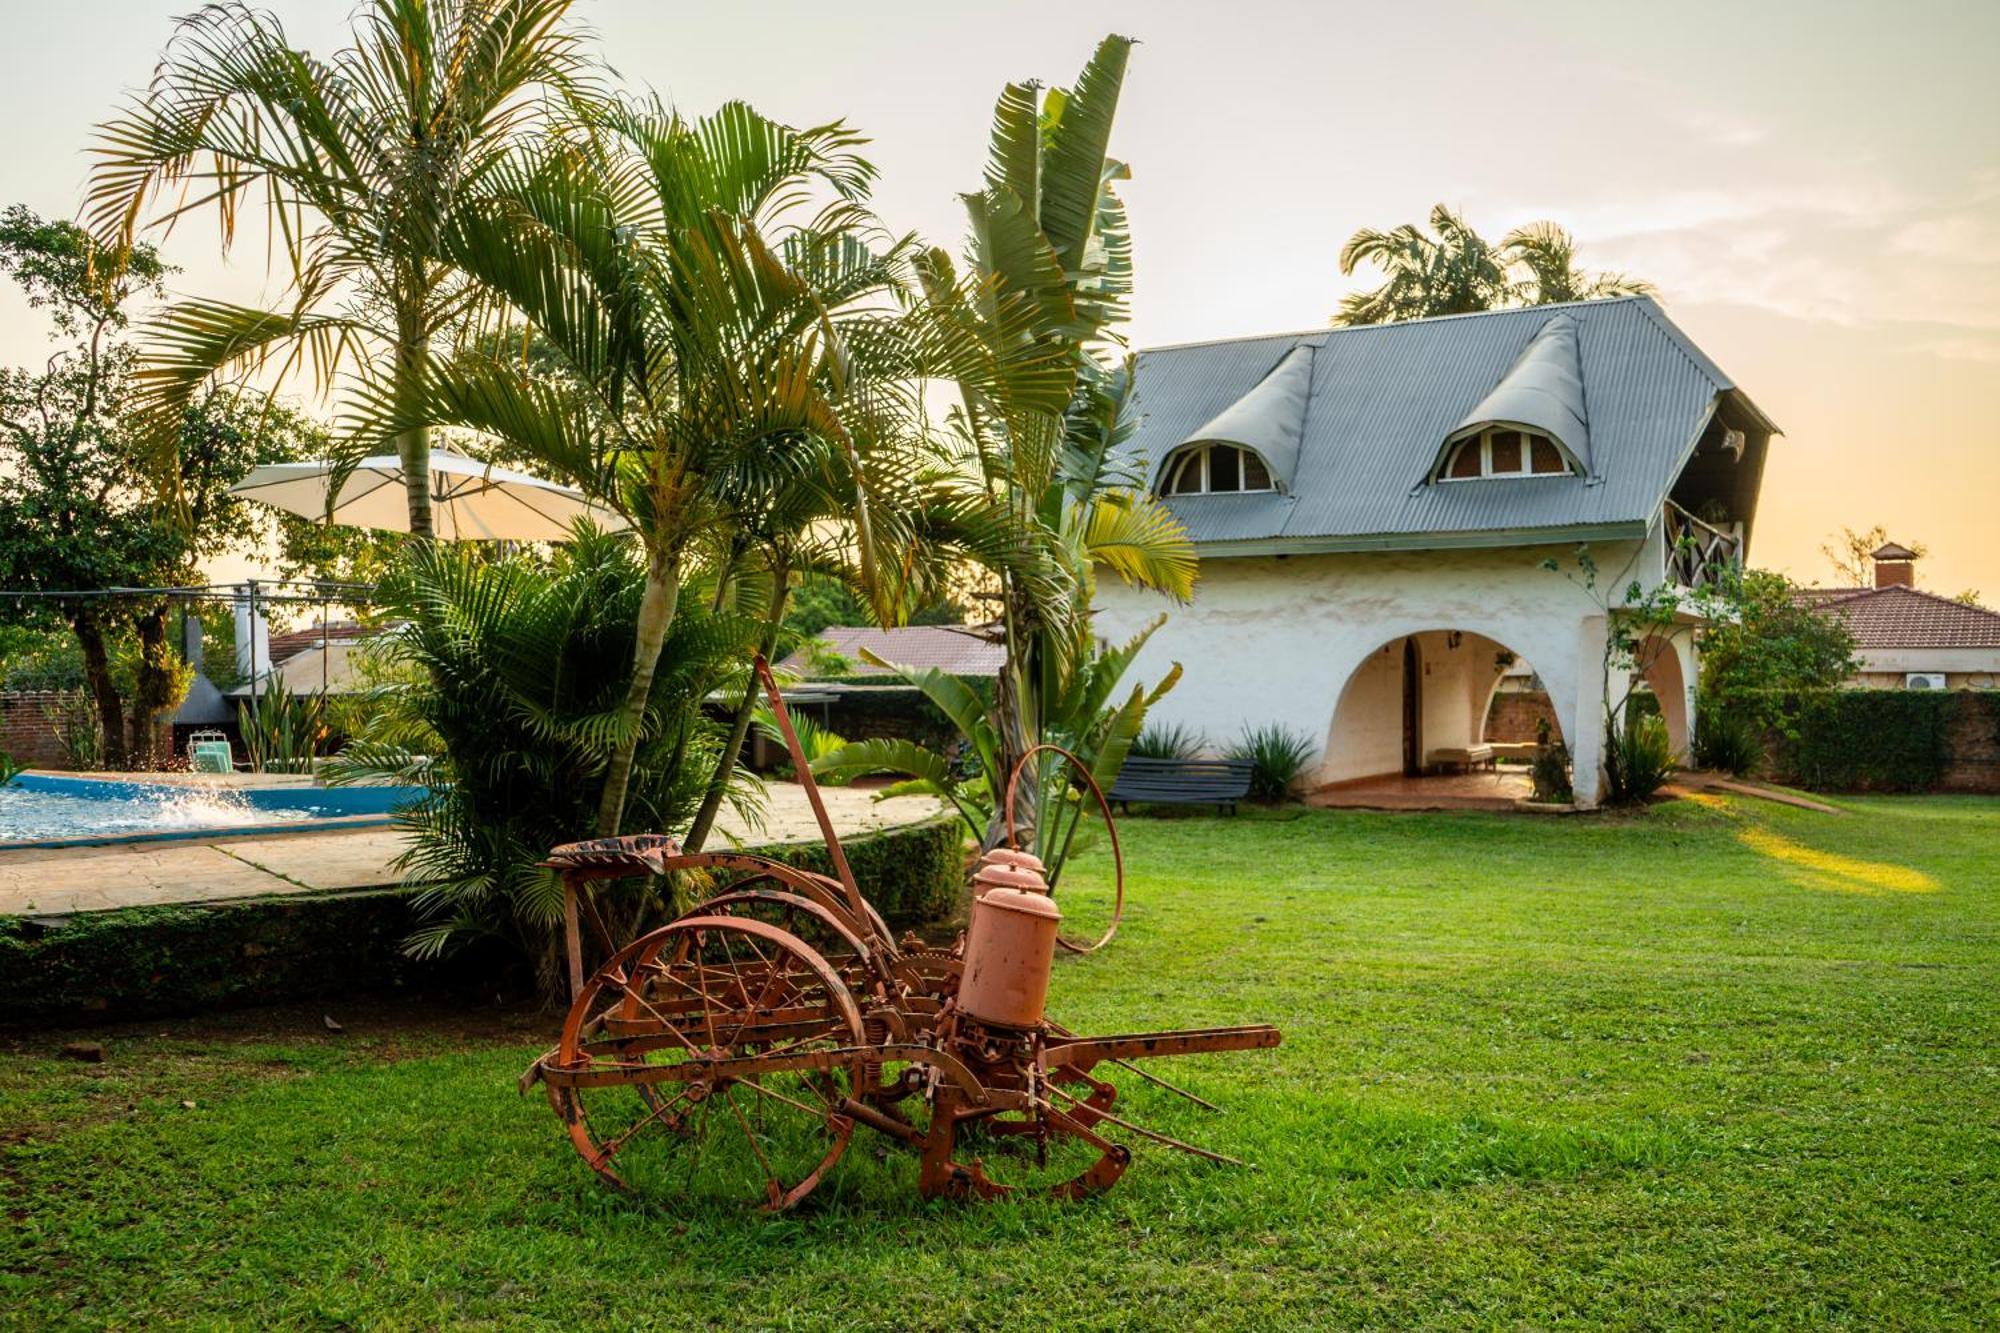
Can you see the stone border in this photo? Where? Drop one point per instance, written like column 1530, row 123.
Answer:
column 138, row 962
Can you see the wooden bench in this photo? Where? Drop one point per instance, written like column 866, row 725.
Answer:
column 1217, row 782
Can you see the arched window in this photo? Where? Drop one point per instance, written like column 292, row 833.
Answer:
column 1503, row 451
column 1209, row 469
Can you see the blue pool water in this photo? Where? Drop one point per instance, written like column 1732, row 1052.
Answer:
column 39, row 809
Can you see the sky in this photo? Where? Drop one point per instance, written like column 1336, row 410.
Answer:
column 1814, row 186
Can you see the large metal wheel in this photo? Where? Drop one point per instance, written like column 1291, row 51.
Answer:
column 711, row 1059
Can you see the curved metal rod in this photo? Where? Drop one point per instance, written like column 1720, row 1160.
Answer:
column 1110, row 827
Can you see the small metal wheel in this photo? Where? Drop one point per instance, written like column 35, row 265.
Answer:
column 712, row 1058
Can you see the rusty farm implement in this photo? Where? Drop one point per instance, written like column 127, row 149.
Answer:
column 736, row 1049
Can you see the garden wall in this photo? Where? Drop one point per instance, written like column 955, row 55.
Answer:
column 1886, row 740
column 1514, row 713
column 145, row 961
column 25, row 734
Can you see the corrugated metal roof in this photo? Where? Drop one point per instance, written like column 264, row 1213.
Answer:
column 1543, row 390
column 1383, row 399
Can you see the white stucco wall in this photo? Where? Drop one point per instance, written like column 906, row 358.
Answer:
column 1278, row 639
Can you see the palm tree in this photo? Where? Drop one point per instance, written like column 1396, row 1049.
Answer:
column 706, row 338
column 362, row 160
column 1045, row 395
column 1548, row 254
column 1453, row 270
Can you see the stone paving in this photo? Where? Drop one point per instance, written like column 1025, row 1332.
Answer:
column 60, row 881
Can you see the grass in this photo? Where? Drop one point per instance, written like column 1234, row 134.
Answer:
column 1718, row 1063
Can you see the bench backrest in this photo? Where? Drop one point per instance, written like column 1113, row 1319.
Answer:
column 1190, row 780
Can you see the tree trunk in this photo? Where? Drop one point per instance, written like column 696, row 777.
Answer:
column 413, row 449
column 154, row 692
column 656, row 617
column 413, row 446
column 97, row 675
column 739, row 726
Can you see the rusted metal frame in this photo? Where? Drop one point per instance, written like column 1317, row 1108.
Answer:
column 1110, row 829
column 1154, row 1135
column 1140, row 1070
column 834, row 850
column 1087, row 1051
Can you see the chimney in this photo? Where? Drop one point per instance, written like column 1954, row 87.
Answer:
column 1895, row 566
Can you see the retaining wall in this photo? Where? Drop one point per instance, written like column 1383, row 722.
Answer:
column 145, row 961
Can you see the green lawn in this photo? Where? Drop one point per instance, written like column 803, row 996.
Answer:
column 1711, row 1064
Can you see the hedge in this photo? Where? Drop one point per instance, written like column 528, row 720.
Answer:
column 143, row 961
column 1878, row 740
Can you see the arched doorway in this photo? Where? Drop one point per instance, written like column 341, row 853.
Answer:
column 1410, row 726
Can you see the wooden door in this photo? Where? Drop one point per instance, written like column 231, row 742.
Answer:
column 1413, row 710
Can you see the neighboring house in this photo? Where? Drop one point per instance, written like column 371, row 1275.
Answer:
column 871, row 701
column 1373, row 507
column 1909, row 639
column 958, row 650
column 319, row 659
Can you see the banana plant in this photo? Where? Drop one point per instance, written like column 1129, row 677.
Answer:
column 1080, row 713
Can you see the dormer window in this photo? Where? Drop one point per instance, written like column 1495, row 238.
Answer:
column 1211, row 469
column 1503, row 451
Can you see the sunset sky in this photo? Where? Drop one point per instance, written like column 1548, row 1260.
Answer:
column 1815, row 187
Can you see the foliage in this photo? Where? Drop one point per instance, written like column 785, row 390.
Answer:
column 283, row 731
column 1771, row 643
column 1081, row 717
column 1453, row 270
column 76, row 512
column 364, row 161
column 1639, row 760
column 819, row 600
column 1462, row 998
column 1726, row 740
column 1868, row 740
column 822, row 659
column 9, row 770
column 815, row 741
column 1169, row 740
column 75, row 725
column 504, row 702
column 1851, row 554
column 1549, row 772
column 1044, row 399
column 1278, row 755
column 35, row 659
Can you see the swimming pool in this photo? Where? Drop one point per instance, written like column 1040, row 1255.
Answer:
column 42, row 811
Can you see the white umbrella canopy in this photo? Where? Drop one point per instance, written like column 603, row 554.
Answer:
column 470, row 500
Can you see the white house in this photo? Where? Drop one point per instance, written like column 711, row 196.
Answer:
column 1374, row 506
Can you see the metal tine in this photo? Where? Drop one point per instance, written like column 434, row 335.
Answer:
column 1154, row 1135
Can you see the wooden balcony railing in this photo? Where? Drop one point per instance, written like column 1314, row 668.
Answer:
column 1698, row 554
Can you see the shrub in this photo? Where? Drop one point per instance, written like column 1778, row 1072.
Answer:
column 1862, row 740
column 1728, row 742
column 1277, row 755
column 1642, row 759
column 507, row 679
column 283, row 731
column 9, row 770
column 79, row 735
column 1168, row 741
column 1550, row 772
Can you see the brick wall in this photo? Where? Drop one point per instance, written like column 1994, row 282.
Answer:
column 25, row 734
column 29, row 737
column 1974, row 737
column 1514, row 714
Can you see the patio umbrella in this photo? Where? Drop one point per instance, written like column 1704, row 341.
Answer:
column 470, row 500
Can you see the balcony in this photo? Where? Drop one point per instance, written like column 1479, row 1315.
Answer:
column 1698, row 554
